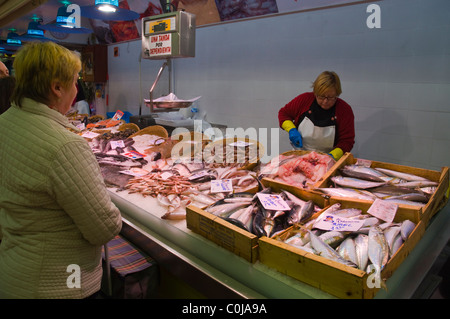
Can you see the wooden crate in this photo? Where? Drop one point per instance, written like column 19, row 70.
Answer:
column 223, row 233
column 436, row 202
column 231, row 237
column 332, row 277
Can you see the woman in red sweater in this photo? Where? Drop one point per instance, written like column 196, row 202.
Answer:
column 320, row 120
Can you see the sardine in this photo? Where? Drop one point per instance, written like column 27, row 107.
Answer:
column 355, row 182
column 361, row 249
column 324, row 250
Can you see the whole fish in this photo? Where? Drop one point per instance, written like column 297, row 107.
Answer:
column 368, row 171
column 362, row 250
column 390, row 234
column 405, row 176
column 398, row 241
column 299, row 214
column 414, row 197
column 346, row 192
column 421, row 183
column 324, row 250
column 378, row 252
column 406, row 228
column 332, row 238
column 347, row 250
column 355, row 182
column 361, row 175
column 224, row 210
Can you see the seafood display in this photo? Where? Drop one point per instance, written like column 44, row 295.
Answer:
column 298, row 170
column 367, row 183
column 367, row 248
column 246, row 211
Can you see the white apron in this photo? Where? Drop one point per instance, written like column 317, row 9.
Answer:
column 317, row 138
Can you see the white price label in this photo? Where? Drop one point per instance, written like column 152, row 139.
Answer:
column 117, row 144
column 336, row 223
column 273, row 202
column 221, row 185
column 90, row 134
column 383, row 210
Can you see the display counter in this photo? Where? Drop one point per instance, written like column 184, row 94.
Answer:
column 218, row 273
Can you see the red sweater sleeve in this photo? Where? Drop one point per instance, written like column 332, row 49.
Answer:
column 295, row 108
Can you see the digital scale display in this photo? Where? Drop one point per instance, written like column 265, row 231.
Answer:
column 162, row 25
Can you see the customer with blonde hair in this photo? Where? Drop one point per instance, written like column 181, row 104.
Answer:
column 55, row 211
column 320, row 120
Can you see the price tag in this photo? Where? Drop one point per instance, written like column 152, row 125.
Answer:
column 221, row 185
column 81, row 126
column 117, row 144
column 134, row 155
column 383, row 210
column 117, row 116
column 273, row 202
column 90, row 134
column 336, row 223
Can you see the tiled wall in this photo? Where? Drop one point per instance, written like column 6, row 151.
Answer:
column 396, row 78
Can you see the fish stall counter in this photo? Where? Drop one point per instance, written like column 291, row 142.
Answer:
column 218, row 273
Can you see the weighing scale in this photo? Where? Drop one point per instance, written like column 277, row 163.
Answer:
column 165, row 37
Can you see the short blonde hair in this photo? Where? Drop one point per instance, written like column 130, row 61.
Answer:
column 37, row 65
column 325, row 81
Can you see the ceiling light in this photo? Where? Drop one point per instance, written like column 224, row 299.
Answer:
column 66, row 20
column 108, row 10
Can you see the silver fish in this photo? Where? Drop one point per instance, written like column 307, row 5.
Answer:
column 347, row 250
column 355, row 182
column 361, row 175
column 390, row 234
column 324, row 250
column 398, row 241
column 299, row 214
column 405, row 176
column 407, row 228
column 378, row 251
column 361, row 249
column 225, row 209
column 421, row 183
column 346, row 192
column 332, row 238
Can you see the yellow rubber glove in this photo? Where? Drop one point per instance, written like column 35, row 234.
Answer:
column 337, row 153
column 288, row 125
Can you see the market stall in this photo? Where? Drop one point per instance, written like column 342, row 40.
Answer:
column 219, row 259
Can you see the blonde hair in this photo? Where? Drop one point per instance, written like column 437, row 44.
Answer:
column 37, row 65
column 325, row 81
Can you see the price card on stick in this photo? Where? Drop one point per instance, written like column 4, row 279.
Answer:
column 221, row 185
column 383, row 210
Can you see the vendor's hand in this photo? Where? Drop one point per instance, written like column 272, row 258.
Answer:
column 295, row 137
